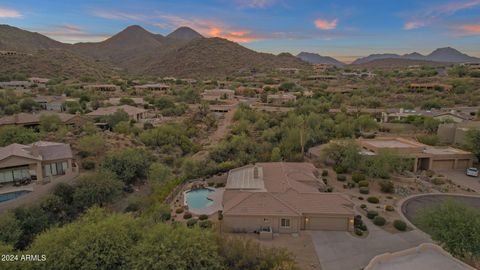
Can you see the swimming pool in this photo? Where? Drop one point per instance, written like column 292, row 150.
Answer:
column 198, row 198
column 12, row 195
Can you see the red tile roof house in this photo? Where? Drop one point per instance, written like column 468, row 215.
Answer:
column 40, row 159
column 285, row 197
column 133, row 112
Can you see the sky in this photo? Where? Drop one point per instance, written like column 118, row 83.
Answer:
column 344, row 29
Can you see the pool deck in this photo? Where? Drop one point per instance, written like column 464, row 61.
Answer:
column 216, row 196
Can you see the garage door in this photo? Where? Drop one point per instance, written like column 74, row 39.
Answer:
column 443, row 164
column 463, row 163
column 327, row 224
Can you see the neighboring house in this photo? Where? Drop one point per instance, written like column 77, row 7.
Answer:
column 322, row 77
column 133, row 112
column 38, row 160
column 102, row 87
column 455, row 133
column 424, row 157
column 284, row 197
column 51, row 103
column 156, row 87
column 442, row 115
column 218, row 94
column 430, row 86
column 33, row 119
column 116, row 101
column 426, row 256
column 40, row 82
column 17, row 85
column 281, row 98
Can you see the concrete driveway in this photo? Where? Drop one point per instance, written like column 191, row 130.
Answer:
column 340, row 250
column 460, row 178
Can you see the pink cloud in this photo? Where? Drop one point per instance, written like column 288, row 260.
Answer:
column 470, row 29
column 72, row 34
column 413, row 25
column 9, row 13
column 325, row 24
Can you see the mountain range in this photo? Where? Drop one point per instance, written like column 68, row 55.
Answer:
column 184, row 52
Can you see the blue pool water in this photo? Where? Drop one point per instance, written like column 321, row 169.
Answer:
column 197, row 198
column 12, row 195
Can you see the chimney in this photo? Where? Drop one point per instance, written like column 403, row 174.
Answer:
column 255, row 172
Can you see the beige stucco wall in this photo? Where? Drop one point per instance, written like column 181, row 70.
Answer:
column 252, row 223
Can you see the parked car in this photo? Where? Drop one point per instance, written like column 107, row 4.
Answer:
column 472, row 172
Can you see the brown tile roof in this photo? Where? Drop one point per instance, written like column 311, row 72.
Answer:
column 41, row 150
column 258, row 204
column 18, row 150
column 32, row 118
column 130, row 110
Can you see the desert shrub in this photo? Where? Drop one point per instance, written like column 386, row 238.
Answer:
column 360, row 198
column 88, row 163
column 363, row 206
column 219, row 185
column 379, row 221
column 340, row 169
column 324, row 173
column 351, row 184
column 373, row 199
column 438, row 181
column 329, row 189
column 187, row 215
column 400, row 225
column 357, row 177
column 364, row 190
column 133, row 206
column 179, row 210
column 387, row 186
column 205, row 224
column 429, row 173
column 341, row 177
column 358, row 232
column 389, row 208
column 363, row 183
column 372, row 214
column 191, row 222
column 203, row 217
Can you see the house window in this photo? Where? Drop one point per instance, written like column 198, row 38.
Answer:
column 58, row 168
column 285, row 223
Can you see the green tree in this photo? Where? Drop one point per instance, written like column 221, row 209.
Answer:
column 90, row 145
column 11, row 231
column 96, row 189
column 345, row 154
column 276, row 155
column 473, row 141
column 28, row 105
column 129, row 164
column 50, row 123
column 383, row 164
column 455, row 225
column 17, row 134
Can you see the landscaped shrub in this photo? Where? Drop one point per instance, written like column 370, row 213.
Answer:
column 329, row 189
column 400, row 225
column 363, row 206
column 364, row 190
column 389, row 208
column 341, row 177
column 360, row 198
column 179, row 210
column 324, row 173
column 351, row 184
column 363, row 227
column 438, row 181
column 363, row 183
column 379, row 221
column 358, row 232
column 357, row 177
column 88, row 164
column 372, row 214
column 187, row 215
column 203, row 217
column 429, row 173
column 387, row 186
column 339, row 169
column 219, row 185
column 205, row 224
column 191, row 222
column 373, row 199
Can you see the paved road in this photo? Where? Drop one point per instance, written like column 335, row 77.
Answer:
column 341, row 250
column 460, row 178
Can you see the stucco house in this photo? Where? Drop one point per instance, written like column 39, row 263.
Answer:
column 285, row 197
column 34, row 161
column 424, row 157
column 133, row 112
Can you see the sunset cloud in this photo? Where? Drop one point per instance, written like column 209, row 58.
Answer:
column 9, row 13
column 325, row 24
column 413, row 25
column 470, row 29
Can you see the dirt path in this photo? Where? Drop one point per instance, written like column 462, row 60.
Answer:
column 222, row 130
